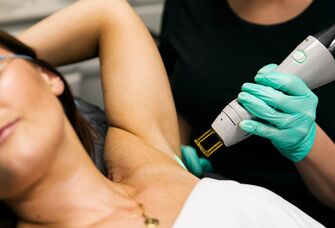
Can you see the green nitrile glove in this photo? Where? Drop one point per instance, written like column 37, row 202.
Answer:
column 194, row 164
column 288, row 105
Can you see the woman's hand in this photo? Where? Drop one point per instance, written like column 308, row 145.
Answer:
column 287, row 105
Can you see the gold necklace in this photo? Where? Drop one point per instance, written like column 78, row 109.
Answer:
column 150, row 222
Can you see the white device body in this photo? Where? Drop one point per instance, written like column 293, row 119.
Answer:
column 310, row 60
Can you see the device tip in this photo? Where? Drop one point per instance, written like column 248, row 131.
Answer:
column 202, row 138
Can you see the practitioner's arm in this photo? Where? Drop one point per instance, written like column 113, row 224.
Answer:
column 317, row 169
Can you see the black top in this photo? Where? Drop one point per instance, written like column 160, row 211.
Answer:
column 210, row 52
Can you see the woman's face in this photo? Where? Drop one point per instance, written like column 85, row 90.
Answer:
column 31, row 123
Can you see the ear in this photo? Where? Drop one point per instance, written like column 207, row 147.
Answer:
column 54, row 81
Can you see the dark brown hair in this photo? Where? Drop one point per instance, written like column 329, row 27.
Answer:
column 86, row 133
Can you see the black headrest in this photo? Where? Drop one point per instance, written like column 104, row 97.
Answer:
column 97, row 118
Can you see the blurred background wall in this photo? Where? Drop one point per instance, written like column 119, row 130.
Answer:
column 17, row 15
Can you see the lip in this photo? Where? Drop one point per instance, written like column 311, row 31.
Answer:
column 6, row 130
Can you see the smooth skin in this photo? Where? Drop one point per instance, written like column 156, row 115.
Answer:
column 142, row 138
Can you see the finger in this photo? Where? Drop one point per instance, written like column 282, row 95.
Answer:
column 206, row 165
column 260, row 109
column 267, row 68
column 191, row 160
column 260, row 129
column 274, row 98
column 287, row 83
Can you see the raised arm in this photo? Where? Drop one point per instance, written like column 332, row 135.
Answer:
column 137, row 96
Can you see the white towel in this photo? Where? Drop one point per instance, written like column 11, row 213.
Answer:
column 229, row 204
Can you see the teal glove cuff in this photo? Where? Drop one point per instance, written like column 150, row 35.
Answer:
column 180, row 162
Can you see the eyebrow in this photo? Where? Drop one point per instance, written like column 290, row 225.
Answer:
column 15, row 56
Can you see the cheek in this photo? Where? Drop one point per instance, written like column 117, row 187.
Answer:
column 31, row 97
column 30, row 149
column 22, row 88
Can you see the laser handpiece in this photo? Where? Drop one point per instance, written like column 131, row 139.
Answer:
column 312, row 60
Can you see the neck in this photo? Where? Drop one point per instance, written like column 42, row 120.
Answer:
column 268, row 12
column 72, row 188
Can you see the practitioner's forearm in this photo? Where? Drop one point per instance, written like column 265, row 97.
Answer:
column 317, row 169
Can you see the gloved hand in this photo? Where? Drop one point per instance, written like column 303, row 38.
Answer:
column 194, row 164
column 289, row 107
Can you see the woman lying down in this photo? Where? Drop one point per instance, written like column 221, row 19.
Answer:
column 47, row 178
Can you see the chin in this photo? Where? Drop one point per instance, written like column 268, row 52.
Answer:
column 20, row 172
column 24, row 158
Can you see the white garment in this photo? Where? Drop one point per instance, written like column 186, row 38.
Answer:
column 229, row 204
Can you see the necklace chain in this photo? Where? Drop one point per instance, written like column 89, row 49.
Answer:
column 150, row 222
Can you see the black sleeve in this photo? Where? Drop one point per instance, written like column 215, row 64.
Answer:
column 169, row 19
